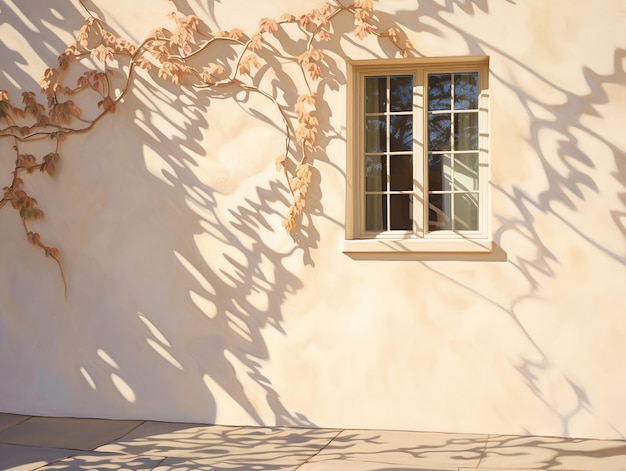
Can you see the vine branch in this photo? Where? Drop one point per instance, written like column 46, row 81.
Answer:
column 170, row 52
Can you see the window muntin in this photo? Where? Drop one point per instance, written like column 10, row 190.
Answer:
column 421, row 152
column 453, row 134
column 388, row 152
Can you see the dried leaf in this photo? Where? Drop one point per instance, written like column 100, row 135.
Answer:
column 107, row 104
column 235, row 33
column 267, row 25
column 103, row 53
column 362, row 30
column 280, row 162
column 249, row 61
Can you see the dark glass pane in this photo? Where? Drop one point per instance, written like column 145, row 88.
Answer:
column 400, row 212
column 401, row 93
column 401, row 133
column 375, row 173
column 375, row 135
column 439, row 209
column 375, row 212
column 439, row 129
column 401, row 172
column 466, row 91
column 439, row 172
column 439, row 92
column 466, row 172
column 466, row 131
column 375, row 94
column 466, row 212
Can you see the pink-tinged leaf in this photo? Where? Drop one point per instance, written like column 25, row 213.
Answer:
column 267, row 25
column 363, row 30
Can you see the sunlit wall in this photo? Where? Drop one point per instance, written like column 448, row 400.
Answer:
column 187, row 301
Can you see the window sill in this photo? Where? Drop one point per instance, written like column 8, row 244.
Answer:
column 418, row 246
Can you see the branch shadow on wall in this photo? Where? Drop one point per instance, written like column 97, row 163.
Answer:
column 187, row 277
column 568, row 172
column 230, row 270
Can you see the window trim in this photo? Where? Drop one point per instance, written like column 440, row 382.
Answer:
column 417, row 240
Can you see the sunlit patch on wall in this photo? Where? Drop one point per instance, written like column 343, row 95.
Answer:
column 164, row 353
column 107, row 359
column 88, row 378
column 124, row 389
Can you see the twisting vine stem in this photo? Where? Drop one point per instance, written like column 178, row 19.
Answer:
column 169, row 52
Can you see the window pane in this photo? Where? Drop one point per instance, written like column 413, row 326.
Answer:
column 466, row 131
column 439, row 128
column 401, row 93
column 401, row 172
column 439, row 172
column 466, row 91
column 439, row 91
column 375, row 135
column 375, row 94
column 466, row 172
column 401, row 133
column 375, row 173
column 439, row 209
column 401, row 212
column 466, row 212
column 375, row 212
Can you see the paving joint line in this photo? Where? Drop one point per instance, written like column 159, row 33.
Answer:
column 308, row 460
column 482, row 455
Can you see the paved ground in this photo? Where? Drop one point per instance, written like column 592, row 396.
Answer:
column 44, row 443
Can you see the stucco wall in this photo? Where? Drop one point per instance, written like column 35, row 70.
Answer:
column 188, row 302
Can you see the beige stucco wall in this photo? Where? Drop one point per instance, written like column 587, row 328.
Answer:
column 187, row 301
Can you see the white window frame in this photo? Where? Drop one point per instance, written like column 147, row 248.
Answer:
column 418, row 239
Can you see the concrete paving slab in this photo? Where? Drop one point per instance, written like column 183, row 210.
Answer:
column 9, row 420
column 103, row 461
column 416, row 449
column 26, row 458
column 221, row 443
column 341, row 465
column 54, row 432
column 60, row 444
column 554, row 454
column 181, row 464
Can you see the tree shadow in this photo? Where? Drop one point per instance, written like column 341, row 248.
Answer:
column 557, row 115
column 180, row 265
column 172, row 303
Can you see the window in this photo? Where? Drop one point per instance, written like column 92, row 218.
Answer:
column 419, row 165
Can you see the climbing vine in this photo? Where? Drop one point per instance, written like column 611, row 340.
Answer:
column 75, row 104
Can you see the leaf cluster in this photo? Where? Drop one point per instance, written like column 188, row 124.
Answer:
column 171, row 51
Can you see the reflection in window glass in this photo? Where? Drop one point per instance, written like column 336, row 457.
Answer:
column 439, row 129
column 388, row 151
column 375, row 134
column 375, row 94
column 439, row 92
column 453, row 138
column 375, row 173
column 450, row 135
column 466, row 91
column 401, row 93
column 400, row 133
